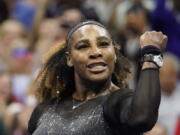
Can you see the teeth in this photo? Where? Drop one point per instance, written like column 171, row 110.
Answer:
column 96, row 64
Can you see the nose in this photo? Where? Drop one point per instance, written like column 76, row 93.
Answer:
column 95, row 53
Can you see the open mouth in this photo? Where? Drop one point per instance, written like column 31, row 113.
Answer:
column 96, row 64
column 97, row 67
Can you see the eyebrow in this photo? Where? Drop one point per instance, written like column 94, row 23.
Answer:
column 103, row 38
column 83, row 41
column 87, row 41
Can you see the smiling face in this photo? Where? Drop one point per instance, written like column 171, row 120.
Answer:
column 92, row 53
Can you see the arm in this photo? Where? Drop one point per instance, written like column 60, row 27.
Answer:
column 143, row 111
column 135, row 111
column 41, row 8
column 139, row 112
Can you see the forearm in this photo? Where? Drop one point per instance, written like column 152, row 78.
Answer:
column 146, row 100
column 138, row 110
column 148, row 65
column 142, row 112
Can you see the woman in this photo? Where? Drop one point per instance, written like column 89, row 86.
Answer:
column 82, row 87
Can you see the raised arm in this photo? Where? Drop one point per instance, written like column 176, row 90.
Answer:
column 138, row 111
column 146, row 99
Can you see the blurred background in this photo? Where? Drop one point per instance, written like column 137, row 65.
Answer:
column 29, row 28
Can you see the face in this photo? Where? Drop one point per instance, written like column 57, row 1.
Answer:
column 69, row 18
column 92, row 53
column 136, row 21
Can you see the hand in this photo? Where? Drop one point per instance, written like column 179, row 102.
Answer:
column 157, row 39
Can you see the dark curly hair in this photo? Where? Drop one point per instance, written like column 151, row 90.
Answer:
column 56, row 78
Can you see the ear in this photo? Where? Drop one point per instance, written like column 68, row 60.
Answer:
column 69, row 59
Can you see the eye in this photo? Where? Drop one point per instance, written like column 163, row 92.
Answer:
column 82, row 46
column 104, row 44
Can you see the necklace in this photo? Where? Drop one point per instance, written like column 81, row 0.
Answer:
column 76, row 105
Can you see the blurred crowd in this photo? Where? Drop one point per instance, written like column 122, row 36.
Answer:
column 29, row 28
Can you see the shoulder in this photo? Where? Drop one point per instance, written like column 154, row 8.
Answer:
column 38, row 111
column 122, row 93
column 120, row 96
column 115, row 103
column 43, row 106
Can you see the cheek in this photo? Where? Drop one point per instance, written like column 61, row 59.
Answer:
column 110, row 54
column 110, row 58
column 79, row 59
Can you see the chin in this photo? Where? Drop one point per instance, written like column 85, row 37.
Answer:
column 101, row 77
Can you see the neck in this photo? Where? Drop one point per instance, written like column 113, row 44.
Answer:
column 86, row 89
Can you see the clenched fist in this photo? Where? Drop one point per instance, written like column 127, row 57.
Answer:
column 157, row 39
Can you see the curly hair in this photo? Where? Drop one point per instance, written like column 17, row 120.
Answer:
column 56, row 78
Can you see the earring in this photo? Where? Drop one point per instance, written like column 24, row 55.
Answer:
column 57, row 91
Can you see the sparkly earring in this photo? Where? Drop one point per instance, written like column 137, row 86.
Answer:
column 57, row 91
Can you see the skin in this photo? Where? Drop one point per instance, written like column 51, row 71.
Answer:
column 70, row 17
column 168, row 77
column 157, row 39
column 157, row 130
column 92, row 55
column 136, row 21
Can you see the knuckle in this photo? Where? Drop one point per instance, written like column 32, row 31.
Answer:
column 165, row 36
column 145, row 33
column 142, row 37
column 159, row 32
column 153, row 31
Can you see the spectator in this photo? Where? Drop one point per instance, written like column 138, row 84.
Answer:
column 124, row 6
column 3, row 130
column 136, row 24
column 178, row 127
column 6, row 100
column 169, row 110
column 21, row 77
column 52, row 31
column 24, row 11
column 168, row 21
column 56, row 8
